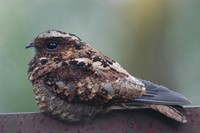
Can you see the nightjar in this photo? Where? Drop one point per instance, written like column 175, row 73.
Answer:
column 73, row 81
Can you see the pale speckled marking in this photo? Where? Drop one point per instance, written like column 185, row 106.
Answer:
column 60, row 84
column 31, row 77
column 43, row 58
column 118, row 68
column 95, row 65
column 98, row 65
column 37, row 72
column 54, row 33
column 85, row 60
column 138, row 82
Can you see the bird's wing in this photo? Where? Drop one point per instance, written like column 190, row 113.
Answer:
column 157, row 94
column 93, row 79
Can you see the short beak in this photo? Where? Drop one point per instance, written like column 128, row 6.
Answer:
column 29, row 46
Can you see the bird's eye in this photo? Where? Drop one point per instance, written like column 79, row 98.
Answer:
column 51, row 45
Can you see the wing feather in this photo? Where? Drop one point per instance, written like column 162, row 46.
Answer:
column 156, row 94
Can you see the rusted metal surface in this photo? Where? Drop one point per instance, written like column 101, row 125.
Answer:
column 129, row 121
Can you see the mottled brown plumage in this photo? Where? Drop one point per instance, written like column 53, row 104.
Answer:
column 73, row 81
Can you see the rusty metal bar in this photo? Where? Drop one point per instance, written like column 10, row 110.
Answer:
column 129, row 121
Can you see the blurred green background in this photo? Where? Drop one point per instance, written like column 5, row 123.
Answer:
column 157, row 40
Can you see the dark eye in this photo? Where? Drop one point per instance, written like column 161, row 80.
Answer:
column 51, row 45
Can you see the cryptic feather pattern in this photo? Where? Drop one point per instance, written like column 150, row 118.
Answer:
column 74, row 82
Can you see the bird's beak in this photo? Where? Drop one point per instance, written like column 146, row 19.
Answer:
column 30, row 45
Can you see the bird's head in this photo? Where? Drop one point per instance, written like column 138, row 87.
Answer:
column 52, row 48
column 54, row 42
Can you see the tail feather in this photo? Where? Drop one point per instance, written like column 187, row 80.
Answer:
column 169, row 111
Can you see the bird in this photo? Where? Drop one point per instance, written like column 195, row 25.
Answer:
column 74, row 82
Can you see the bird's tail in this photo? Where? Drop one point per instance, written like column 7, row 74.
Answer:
column 168, row 111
